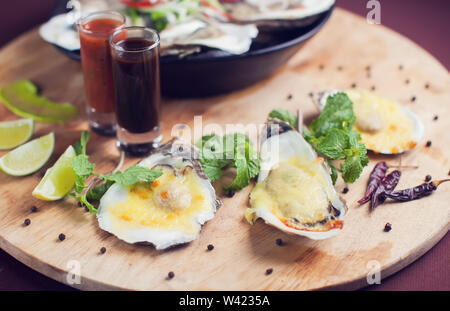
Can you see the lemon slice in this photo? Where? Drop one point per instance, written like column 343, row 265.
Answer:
column 58, row 180
column 15, row 133
column 28, row 158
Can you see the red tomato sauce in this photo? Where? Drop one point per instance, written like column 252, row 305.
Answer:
column 96, row 63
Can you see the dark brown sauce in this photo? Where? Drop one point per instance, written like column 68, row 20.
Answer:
column 137, row 85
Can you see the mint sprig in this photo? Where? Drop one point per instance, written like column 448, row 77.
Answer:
column 332, row 135
column 232, row 150
column 83, row 169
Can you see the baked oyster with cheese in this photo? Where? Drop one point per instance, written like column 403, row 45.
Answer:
column 294, row 191
column 169, row 211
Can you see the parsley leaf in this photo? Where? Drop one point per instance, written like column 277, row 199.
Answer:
column 284, row 115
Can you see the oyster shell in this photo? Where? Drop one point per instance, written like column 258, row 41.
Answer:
column 231, row 38
column 294, row 192
column 270, row 15
column 169, row 211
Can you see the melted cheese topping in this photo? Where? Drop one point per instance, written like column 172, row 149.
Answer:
column 295, row 189
column 171, row 202
column 383, row 125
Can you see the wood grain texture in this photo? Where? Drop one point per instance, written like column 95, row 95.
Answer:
column 242, row 252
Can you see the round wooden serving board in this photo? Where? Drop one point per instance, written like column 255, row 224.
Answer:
column 336, row 58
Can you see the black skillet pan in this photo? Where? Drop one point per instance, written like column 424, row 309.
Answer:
column 212, row 72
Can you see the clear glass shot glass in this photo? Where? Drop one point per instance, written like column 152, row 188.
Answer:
column 94, row 31
column 136, row 75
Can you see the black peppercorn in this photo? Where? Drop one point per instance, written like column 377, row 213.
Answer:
column 311, row 94
column 353, row 85
column 269, row 271
column 428, row 143
column 436, row 117
column 427, row 86
column 387, row 227
column 33, row 209
column 428, row 178
column 413, row 99
column 210, row 247
column 26, row 222
column 170, row 275
column 289, row 97
column 345, row 190
column 103, row 250
column 279, row 242
column 373, row 88
column 62, row 237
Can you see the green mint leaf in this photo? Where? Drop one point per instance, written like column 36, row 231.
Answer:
column 133, row 175
column 351, row 169
column 242, row 178
column 334, row 173
column 333, row 144
column 82, row 169
column 96, row 193
column 284, row 115
column 80, row 146
column 232, row 150
column 338, row 113
column 83, row 200
column 213, row 168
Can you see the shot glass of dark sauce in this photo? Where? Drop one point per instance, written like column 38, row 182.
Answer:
column 137, row 91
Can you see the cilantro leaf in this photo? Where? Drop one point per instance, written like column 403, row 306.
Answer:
column 284, row 115
column 132, row 175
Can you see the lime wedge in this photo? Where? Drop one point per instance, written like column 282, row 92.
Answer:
column 21, row 98
column 58, row 180
column 15, row 133
column 28, row 158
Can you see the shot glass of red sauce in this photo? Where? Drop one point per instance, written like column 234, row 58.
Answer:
column 136, row 75
column 94, row 31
